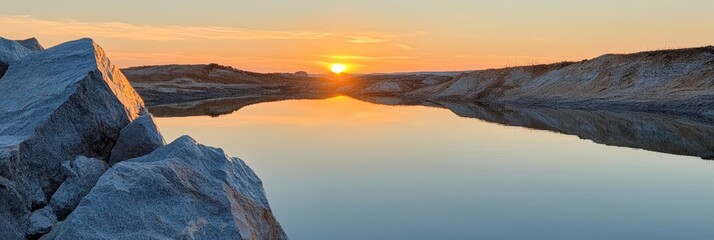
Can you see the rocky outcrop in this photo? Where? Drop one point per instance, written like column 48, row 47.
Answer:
column 171, row 84
column 671, row 81
column 64, row 103
column 137, row 139
column 181, row 190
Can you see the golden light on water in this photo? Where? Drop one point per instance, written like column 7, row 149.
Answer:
column 338, row 68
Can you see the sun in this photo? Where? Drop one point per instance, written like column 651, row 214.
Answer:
column 338, row 68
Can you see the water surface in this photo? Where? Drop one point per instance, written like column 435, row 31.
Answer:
column 341, row 168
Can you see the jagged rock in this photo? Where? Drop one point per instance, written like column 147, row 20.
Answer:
column 82, row 174
column 56, row 104
column 31, row 43
column 10, row 51
column 41, row 222
column 14, row 207
column 183, row 190
column 137, row 139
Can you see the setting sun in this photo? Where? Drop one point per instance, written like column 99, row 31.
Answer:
column 338, row 68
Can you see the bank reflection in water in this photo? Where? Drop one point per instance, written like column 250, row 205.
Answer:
column 653, row 132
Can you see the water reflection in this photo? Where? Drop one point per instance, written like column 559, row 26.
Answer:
column 335, row 167
column 654, row 132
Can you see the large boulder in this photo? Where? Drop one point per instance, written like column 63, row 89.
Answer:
column 183, row 190
column 137, row 139
column 56, row 104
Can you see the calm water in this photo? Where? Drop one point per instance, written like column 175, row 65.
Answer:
column 344, row 169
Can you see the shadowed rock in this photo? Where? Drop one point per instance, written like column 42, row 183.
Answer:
column 41, row 222
column 82, row 173
column 181, row 190
column 137, row 139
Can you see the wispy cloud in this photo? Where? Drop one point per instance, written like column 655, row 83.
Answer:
column 404, row 46
column 122, row 30
column 366, row 39
column 357, row 57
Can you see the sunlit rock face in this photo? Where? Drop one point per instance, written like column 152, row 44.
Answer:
column 181, row 190
column 58, row 103
column 677, row 81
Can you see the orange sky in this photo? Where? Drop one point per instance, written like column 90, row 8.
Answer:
column 368, row 36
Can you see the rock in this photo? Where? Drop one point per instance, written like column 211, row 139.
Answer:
column 172, row 84
column 183, row 190
column 31, row 43
column 41, row 222
column 430, row 81
column 10, row 51
column 301, row 74
column 82, row 174
column 383, row 87
column 14, row 207
column 137, row 139
column 56, row 104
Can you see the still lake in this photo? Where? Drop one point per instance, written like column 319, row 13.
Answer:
column 341, row 168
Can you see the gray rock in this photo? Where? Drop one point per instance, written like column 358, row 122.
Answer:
column 137, row 139
column 10, row 51
column 82, row 174
column 41, row 222
column 183, row 190
column 32, row 44
column 14, row 207
column 56, row 104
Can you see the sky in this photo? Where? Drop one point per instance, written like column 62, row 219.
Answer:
column 367, row 36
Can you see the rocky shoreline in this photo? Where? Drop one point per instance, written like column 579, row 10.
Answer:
column 81, row 158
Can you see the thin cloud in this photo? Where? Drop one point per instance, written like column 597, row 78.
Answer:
column 405, row 46
column 122, row 30
column 357, row 57
column 365, row 39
